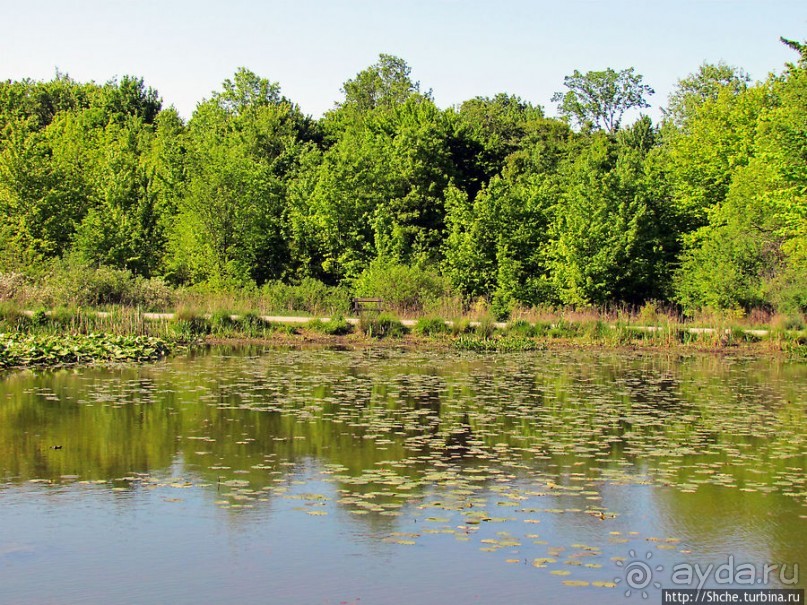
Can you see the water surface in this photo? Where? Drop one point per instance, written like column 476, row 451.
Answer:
column 382, row 476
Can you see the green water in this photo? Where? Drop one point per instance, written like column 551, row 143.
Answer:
column 382, row 476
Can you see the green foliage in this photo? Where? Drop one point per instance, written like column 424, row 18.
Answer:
column 384, row 84
column 253, row 325
column 83, row 285
column 704, row 85
column 407, row 289
column 487, row 131
column 336, row 326
column 601, row 98
column 309, row 296
column 189, row 325
column 507, row 344
column 381, row 325
column 522, row 328
column 564, row 329
column 542, row 329
column 431, row 326
column 39, row 318
column 608, row 236
column 151, row 294
column 18, row 350
column 75, row 283
column 751, row 251
column 107, row 198
column 486, row 327
column 222, row 323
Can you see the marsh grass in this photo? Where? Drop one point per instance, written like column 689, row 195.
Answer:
column 431, row 326
column 460, row 325
column 381, row 325
column 335, row 326
column 502, row 344
column 486, row 327
column 521, row 327
column 648, row 326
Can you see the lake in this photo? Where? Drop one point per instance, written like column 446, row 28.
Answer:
column 270, row 475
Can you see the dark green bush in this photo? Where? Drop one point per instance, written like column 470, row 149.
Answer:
column 521, row 327
column 381, row 325
column 460, row 326
column 431, row 326
column 309, row 296
column 222, row 322
column 12, row 319
column 252, row 325
column 486, row 327
column 403, row 288
column 189, row 325
column 336, row 326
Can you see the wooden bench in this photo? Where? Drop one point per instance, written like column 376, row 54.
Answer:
column 360, row 305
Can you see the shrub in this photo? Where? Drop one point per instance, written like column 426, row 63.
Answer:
column 83, row 285
column 486, row 327
column 309, row 296
column 404, row 288
column 252, row 325
column 187, row 324
column 11, row 285
column 430, row 326
column 336, row 326
column 459, row 326
column 380, row 326
column 502, row 307
column 151, row 294
column 521, row 327
column 221, row 322
column 12, row 319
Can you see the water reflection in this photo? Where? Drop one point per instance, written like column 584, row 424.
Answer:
column 569, row 457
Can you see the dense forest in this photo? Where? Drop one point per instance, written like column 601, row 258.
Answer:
column 491, row 198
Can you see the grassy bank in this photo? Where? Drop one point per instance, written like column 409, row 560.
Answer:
column 122, row 333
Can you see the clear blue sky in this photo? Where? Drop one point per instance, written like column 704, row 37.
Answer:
column 458, row 48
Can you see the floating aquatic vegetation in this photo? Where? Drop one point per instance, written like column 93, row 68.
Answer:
column 19, row 349
column 460, row 447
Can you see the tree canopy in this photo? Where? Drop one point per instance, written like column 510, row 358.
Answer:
column 490, row 198
column 601, row 98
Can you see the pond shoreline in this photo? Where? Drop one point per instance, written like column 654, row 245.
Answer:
column 446, row 343
column 110, row 341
